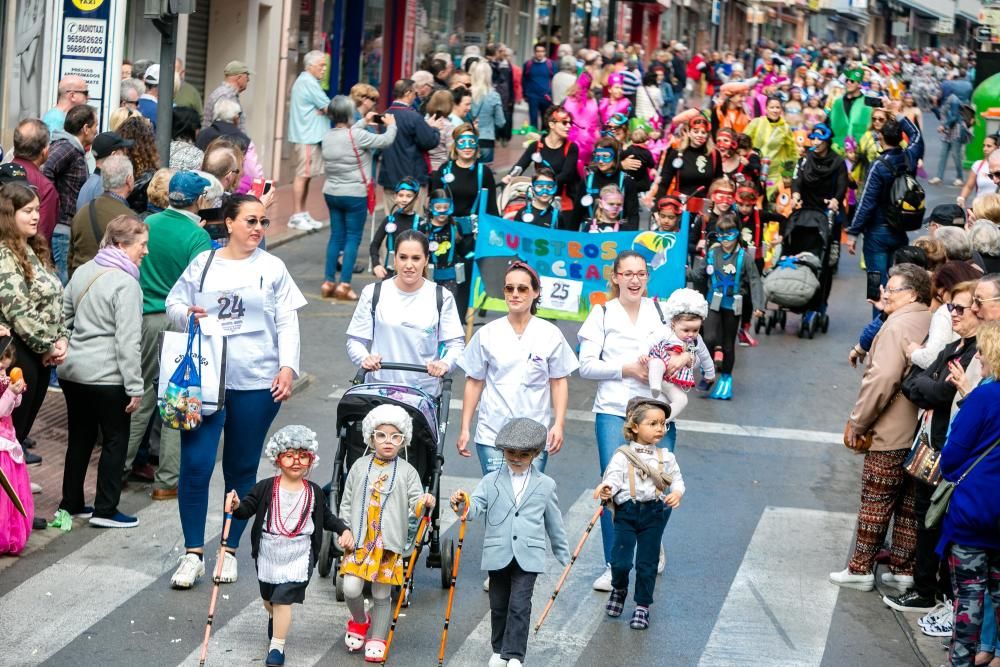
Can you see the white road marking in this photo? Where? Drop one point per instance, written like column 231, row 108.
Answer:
column 575, row 615
column 780, row 605
column 693, row 426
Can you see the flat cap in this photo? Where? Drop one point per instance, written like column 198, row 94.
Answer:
column 636, row 401
column 522, row 434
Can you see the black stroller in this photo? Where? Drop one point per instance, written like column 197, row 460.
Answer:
column 810, row 231
column 430, row 425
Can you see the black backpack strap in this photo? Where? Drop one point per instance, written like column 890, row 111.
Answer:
column 376, row 293
column 659, row 311
column 204, row 272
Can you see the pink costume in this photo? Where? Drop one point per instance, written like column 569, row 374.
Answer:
column 586, row 121
column 14, row 528
column 610, row 107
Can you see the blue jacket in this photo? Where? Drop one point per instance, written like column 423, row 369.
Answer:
column 536, row 79
column 973, row 517
column 519, row 532
column 405, row 156
column 489, row 113
column 871, row 210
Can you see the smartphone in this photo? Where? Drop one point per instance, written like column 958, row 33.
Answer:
column 873, row 101
column 874, row 292
column 257, row 187
column 267, row 186
column 378, row 119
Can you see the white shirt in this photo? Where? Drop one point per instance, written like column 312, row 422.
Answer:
column 984, row 184
column 940, row 334
column 252, row 359
column 519, row 483
column 406, row 330
column 616, row 474
column 611, row 332
column 516, row 370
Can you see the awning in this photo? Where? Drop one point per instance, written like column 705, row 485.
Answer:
column 924, row 7
column 965, row 16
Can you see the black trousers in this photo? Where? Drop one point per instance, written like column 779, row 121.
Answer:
column 90, row 407
column 747, row 315
column 721, row 327
column 36, row 379
column 510, row 610
column 930, row 572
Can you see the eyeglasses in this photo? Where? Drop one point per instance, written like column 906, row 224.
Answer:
column 381, row 437
column 957, row 309
column 520, row 289
column 629, row 275
column 253, row 222
column 978, row 302
column 895, row 290
column 301, row 455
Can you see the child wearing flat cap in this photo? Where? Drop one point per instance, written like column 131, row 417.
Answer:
column 519, row 503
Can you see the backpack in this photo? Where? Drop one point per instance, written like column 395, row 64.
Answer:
column 905, row 210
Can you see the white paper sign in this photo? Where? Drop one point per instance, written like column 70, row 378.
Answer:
column 232, row 312
column 561, row 294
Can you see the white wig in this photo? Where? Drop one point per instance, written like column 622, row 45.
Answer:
column 293, row 436
column 685, row 300
column 387, row 414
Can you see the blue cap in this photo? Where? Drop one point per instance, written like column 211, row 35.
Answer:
column 185, row 188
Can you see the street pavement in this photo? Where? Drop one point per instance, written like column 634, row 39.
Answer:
column 769, row 512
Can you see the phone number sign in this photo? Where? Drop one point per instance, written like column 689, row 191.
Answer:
column 85, row 37
column 86, row 45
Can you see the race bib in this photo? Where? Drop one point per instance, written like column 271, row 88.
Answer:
column 232, row 312
column 559, row 294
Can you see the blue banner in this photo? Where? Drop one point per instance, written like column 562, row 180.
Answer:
column 574, row 267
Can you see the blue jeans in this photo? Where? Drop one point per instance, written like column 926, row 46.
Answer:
column 491, row 458
column 638, row 530
column 60, row 255
column 880, row 244
column 955, row 150
column 537, row 109
column 988, row 636
column 608, row 429
column 245, row 418
column 347, row 223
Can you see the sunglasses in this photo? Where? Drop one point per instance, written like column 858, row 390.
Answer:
column 302, row 456
column 957, row 309
column 608, row 158
column 381, row 437
column 253, row 222
column 545, row 188
column 995, row 175
column 520, row 289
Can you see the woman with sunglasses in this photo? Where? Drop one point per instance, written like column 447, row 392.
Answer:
column 237, row 284
column 605, row 169
column 553, row 151
column 519, row 366
column 691, row 166
column 541, row 208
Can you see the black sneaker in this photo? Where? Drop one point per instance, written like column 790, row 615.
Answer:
column 28, row 443
column 911, row 600
column 32, row 459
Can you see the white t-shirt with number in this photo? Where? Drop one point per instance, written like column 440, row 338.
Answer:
column 252, row 359
column 406, row 330
column 516, row 370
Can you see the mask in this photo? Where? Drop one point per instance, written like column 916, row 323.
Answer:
column 438, row 207
column 729, row 236
column 466, row 143
column 544, row 189
column 603, row 157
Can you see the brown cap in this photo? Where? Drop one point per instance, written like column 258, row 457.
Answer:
column 636, row 401
column 236, row 67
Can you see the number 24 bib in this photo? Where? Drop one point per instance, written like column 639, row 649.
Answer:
column 238, row 311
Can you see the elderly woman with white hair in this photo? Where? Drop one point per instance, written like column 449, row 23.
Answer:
column 226, row 124
column 349, row 188
column 984, row 236
column 956, row 243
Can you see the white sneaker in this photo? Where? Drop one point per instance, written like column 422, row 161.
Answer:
column 958, row 182
column 190, row 569
column 300, row 221
column 942, row 610
column 861, row 582
column 36, row 488
column 934, row 181
column 228, row 575
column 942, row 627
column 497, row 661
column 514, row 662
column 314, row 223
column 901, row 582
column 603, row 582
column 486, row 585
column 661, row 564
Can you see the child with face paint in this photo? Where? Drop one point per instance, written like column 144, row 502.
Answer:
column 400, row 218
column 719, row 203
column 608, row 212
column 605, row 170
column 542, row 208
column 759, row 232
column 732, row 283
column 445, row 242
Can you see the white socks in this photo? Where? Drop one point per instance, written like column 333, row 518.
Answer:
column 278, row 644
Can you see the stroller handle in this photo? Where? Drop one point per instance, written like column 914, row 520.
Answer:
column 391, row 366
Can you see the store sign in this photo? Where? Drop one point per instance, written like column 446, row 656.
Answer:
column 984, row 33
column 87, row 48
column 990, row 16
column 716, row 12
column 945, row 26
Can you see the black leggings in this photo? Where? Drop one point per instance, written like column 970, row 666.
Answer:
column 720, row 331
column 36, row 379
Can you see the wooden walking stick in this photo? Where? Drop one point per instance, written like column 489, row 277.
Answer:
column 562, row 579
column 425, row 519
column 227, row 522
column 454, row 576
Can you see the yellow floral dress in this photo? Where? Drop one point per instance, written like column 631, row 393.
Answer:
column 370, row 561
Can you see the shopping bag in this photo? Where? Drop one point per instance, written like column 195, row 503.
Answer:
column 192, row 379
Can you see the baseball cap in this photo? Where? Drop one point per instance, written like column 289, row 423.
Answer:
column 185, row 188
column 152, row 75
column 235, row 67
column 948, row 215
column 12, row 173
column 107, row 143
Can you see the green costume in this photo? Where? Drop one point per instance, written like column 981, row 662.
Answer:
column 858, row 122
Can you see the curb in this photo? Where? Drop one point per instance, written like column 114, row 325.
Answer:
column 302, row 382
column 291, row 235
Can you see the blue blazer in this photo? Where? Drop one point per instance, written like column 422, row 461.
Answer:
column 516, row 532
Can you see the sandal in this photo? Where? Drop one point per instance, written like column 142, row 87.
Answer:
column 356, row 633
column 344, row 292
column 374, row 650
column 327, row 289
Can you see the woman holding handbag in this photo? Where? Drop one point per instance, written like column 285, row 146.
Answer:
column 349, row 189
column 247, row 295
column 931, row 391
column 882, row 425
column 970, row 532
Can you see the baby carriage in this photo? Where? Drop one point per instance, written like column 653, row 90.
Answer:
column 430, row 425
column 801, row 280
column 513, row 197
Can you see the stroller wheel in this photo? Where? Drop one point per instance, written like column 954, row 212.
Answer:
column 811, row 325
column 784, row 319
column 759, row 324
column 325, row 558
column 825, row 324
column 338, row 585
column 447, row 559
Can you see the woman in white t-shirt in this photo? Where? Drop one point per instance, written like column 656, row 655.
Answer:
column 413, row 317
column 979, row 181
column 612, row 340
column 246, row 294
column 519, row 365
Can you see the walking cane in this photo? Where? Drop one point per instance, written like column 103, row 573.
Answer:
column 425, row 519
column 454, row 575
column 228, row 520
column 562, row 579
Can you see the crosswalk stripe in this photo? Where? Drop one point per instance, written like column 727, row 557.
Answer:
column 779, row 607
column 695, row 426
column 317, row 626
column 575, row 615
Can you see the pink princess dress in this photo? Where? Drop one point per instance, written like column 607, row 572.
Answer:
column 14, row 528
column 586, row 126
